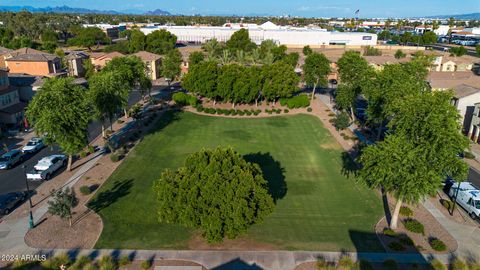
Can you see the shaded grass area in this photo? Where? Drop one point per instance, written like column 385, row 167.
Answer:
column 317, row 207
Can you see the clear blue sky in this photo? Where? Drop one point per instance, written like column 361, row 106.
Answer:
column 304, row 8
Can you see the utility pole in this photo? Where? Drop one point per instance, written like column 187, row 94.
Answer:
column 31, row 225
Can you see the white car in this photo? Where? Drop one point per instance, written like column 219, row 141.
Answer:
column 468, row 197
column 46, row 167
column 34, row 145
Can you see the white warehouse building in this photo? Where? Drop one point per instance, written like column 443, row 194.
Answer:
column 288, row 36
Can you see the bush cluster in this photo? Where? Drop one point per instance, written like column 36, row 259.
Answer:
column 183, row 99
column 414, row 226
column 309, row 109
column 85, row 190
column 300, row 101
column 228, row 111
column 273, row 110
column 437, row 244
column 389, row 232
column 468, row 155
column 406, row 211
column 407, row 241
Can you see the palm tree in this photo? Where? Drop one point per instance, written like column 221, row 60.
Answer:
column 240, row 57
column 226, row 57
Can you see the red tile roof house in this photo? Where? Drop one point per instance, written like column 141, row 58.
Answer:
column 33, row 62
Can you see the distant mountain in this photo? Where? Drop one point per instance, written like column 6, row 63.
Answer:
column 158, row 12
column 470, row 16
column 67, row 9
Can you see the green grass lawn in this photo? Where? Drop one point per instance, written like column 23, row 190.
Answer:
column 317, row 207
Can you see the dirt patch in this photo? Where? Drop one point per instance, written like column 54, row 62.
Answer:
column 197, row 242
column 433, row 229
column 330, row 145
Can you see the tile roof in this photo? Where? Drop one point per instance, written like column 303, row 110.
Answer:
column 444, row 80
column 4, row 50
column 76, row 55
column 33, row 57
column 147, row 56
column 111, row 55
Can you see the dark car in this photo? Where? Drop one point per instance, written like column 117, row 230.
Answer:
column 9, row 201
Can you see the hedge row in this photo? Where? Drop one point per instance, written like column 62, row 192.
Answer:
column 228, row 111
column 183, row 99
column 300, row 101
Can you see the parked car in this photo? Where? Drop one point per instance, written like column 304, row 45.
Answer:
column 10, row 159
column 46, row 167
column 34, row 145
column 10, row 200
column 468, row 196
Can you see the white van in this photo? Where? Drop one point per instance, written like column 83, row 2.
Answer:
column 468, row 197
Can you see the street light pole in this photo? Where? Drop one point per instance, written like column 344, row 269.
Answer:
column 31, row 225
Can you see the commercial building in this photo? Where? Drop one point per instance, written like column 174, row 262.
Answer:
column 283, row 35
column 112, row 31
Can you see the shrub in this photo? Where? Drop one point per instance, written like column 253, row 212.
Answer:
column 468, row 155
column 390, row 264
column 24, row 265
column 241, row 113
column 437, row 244
column 91, row 149
column 183, row 99
column 405, row 211
column 278, row 111
column 309, row 109
column 120, row 121
column 400, row 54
column 407, row 241
column 283, row 101
column 371, row 51
column 248, row 112
column 458, row 264
column 414, row 226
column 331, row 114
column 82, row 154
column 300, row 101
column 345, row 262
column 80, row 263
column 219, row 111
column 85, row 190
column 437, row 265
column 256, row 112
column 107, row 263
column 54, row 263
column 389, row 232
column 267, row 110
column 396, row 246
column 146, row 265
column 233, row 112
column 447, row 204
column 285, row 110
column 270, row 111
column 227, row 112
column 114, row 157
column 341, row 121
column 124, row 260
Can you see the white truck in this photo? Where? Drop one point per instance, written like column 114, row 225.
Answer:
column 468, row 196
column 46, row 167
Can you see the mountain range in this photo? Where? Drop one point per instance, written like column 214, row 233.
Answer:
column 67, row 9
column 470, row 16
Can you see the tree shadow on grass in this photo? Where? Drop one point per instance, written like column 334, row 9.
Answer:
column 107, row 197
column 272, row 172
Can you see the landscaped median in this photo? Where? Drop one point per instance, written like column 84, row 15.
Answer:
column 317, row 208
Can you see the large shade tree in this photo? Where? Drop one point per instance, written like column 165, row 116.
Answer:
column 412, row 162
column 202, row 79
column 60, row 112
column 107, row 94
column 279, row 80
column 171, row 65
column 217, row 191
column 88, row 37
column 160, row 41
column 240, row 40
column 316, row 70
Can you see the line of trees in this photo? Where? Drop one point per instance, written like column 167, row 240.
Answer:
column 269, row 74
column 423, row 136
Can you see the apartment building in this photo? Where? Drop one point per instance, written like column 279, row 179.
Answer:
column 152, row 63
column 33, row 62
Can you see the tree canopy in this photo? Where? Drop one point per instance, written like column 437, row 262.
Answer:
column 240, row 40
column 216, row 191
column 60, row 112
column 64, row 200
column 316, row 70
column 280, row 80
column 160, row 41
column 171, row 65
column 88, row 37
